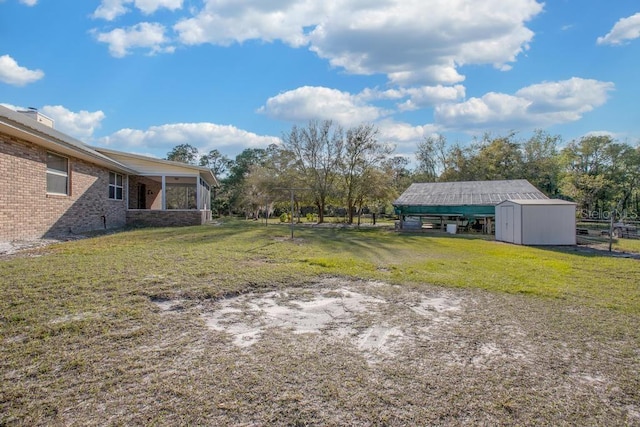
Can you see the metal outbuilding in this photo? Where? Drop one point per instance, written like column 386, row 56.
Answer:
column 462, row 201
column 536, row 222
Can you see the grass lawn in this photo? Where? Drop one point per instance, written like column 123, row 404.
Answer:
column 432, row 329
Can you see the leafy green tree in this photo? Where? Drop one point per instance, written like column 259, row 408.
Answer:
column 217, row 162
column 623, row 174
column 219, row 166
column 239, row 170
column 362, row 154
column 497, row 159
column 397, row 169
column 542, row 162
column 377, row 191
column 586, row 177
column 184, row 153
column 459, row 164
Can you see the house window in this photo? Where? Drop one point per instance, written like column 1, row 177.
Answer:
column 57, row 174
column 115, row 186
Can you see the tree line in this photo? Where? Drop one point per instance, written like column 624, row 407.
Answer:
column 329, row 168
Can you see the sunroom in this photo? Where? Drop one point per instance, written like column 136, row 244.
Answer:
column 165, row 193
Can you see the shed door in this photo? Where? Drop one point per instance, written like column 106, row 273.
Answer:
column 506, row 223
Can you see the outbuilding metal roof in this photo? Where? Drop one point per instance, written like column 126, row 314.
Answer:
column 540, row 202
column 468, row 193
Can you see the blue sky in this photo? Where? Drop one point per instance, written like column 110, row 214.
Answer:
column 146, row 75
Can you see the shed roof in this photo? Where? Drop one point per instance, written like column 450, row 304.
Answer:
column 468, row 193
column 540, row 202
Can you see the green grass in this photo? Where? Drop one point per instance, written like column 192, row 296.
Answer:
column 627, row 245
column 77, row 325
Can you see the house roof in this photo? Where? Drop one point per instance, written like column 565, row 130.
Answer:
column 24, row 127
column 468, row 193
column 147, row 166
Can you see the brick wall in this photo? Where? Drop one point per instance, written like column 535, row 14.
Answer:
column 28, row 212
column 168, row 218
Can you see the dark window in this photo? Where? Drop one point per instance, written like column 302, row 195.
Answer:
column 57, row 174
column 115, row 186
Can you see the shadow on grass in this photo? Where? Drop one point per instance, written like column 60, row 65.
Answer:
column 589, row 251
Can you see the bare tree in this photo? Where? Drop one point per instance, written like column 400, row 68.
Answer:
column 317, row 150
column 431, row 157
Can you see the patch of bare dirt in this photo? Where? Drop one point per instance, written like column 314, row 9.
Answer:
column 417, row 355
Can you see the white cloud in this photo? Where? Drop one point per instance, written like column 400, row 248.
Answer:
column 306, row 103
column 404, row 136
column 29, row 2
column 623, row 30
column 80, row 125
column 224, row 22
column 537, row 105
column 204, row 136
column 13, row 74
column 431, row 95
column 411, row 41
column 111, row 9
column 424, row 41
column 150, row 6
column 143, row 35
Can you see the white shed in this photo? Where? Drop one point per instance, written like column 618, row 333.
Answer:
column 536, row 222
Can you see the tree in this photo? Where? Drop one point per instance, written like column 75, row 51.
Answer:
column 184, row 153
column 397, row 169
column 623, row 173
column 218, row 163
column 458, row 164
column 431, row 157
column 541, row 162
column 317, row 150
column 377, row 191
column 362, row 154
column 497, row 159
column 267, row 179
column 586, row 165
column 238, row 172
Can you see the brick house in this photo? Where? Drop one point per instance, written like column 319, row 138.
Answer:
column 55, row 185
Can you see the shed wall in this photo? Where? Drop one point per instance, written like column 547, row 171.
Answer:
column 548, row 225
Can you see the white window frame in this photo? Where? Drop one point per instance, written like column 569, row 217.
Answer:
column 59, row 173
column 115, row 186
